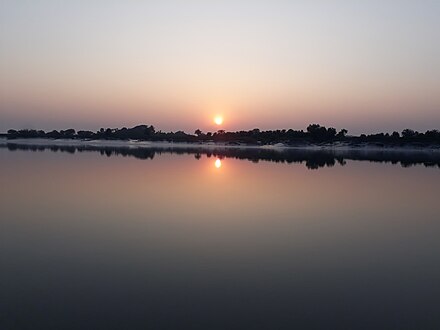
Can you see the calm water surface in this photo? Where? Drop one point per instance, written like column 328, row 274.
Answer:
column 196, row 242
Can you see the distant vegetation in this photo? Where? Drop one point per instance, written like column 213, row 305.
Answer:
column 314, row 133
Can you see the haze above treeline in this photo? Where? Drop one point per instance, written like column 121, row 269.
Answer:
column 369, row 66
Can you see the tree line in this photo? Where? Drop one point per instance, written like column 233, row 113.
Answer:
column 314, row 133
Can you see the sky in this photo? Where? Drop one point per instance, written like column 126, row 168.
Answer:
column 367, row 66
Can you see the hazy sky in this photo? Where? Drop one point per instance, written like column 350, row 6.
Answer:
column 363, row 65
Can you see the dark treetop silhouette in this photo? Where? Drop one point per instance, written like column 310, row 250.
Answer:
column 314, row 134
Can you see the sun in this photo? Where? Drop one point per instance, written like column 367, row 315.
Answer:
column 218, row 163
column 218, row 120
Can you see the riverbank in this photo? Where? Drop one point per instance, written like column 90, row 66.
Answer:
column 366, row 146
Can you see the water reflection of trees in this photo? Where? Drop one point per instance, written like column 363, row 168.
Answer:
column 313, row 159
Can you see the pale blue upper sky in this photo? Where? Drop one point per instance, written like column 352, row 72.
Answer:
column 365, row 65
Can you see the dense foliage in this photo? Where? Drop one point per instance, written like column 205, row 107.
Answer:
column 314, row 134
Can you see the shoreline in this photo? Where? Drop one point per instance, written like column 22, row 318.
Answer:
column 136, row 144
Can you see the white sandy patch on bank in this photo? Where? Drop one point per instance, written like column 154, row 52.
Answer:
column 337, row 146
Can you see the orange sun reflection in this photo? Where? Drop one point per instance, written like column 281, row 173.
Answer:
column 218, row 163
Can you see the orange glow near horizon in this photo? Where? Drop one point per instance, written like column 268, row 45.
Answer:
column 218, row 163
column 272, row 68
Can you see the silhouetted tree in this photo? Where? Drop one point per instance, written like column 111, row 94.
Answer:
column 342, row 133
column 85, row 134
column 408, row 133
column 68, row 133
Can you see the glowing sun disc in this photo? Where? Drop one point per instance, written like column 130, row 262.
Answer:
column 218, row 163
column 218, row 120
